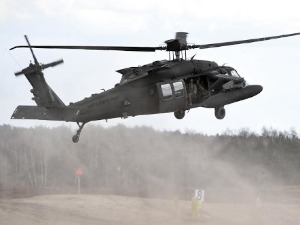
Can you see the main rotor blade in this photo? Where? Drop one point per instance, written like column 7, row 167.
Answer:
column 116, row 48
column 29, row 46
column 221, row 44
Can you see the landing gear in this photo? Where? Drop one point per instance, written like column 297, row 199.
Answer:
column 75, row 138
column 179, row 114
column 220, row 113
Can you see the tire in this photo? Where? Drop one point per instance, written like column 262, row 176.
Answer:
column 220, row 113
column 75, row 138
column 179, row 114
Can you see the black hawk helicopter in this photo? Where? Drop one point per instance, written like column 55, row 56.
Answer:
column 174, row 85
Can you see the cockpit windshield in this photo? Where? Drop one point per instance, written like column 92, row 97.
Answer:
column 234, row 73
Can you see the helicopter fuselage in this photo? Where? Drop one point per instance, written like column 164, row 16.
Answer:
column 162, row 87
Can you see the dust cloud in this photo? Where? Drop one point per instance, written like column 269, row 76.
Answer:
column 142, row 176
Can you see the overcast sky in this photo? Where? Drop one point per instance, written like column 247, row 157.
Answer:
column 273, row 64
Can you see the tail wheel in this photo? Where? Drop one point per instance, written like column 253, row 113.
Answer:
column 75, row 138
column 179, row 114
column 220, row 113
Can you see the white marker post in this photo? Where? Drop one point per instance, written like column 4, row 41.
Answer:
column 78, row 185
column 79, row 173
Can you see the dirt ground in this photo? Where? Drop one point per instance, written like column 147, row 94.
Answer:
column 107, row 209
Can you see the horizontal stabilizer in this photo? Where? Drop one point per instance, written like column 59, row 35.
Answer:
column 44, row 113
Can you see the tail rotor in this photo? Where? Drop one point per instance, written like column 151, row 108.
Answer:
column 36, row 67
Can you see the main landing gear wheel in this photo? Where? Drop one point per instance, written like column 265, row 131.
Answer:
column 75, row 138
column 220, row 113
column 179, row 114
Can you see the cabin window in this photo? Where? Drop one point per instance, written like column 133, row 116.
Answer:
column 166, row 91
column 178, row 88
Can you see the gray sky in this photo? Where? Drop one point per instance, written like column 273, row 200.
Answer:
column 273, row 64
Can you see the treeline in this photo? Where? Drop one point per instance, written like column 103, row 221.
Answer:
column 141, row 161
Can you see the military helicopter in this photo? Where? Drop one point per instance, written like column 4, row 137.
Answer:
column 174, row 85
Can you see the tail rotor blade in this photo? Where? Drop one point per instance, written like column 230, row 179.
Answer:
column 19, row 73
column 35, row 60
column 52, row 64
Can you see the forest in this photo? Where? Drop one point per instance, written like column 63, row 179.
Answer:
column 141, row 161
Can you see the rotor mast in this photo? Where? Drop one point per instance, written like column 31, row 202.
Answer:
column 178, row 45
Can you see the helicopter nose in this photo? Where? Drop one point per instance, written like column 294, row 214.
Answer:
column 260, row 88
column 254, row 89
column 257, row 88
